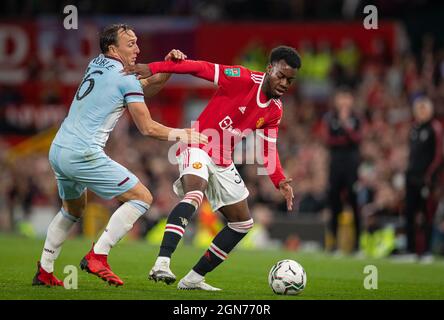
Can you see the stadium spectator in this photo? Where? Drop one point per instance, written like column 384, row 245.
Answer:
column 425, row 160
column 342, row 134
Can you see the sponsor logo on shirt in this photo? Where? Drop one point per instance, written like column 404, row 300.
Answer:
column 232, row 72
column 227, row 124
column 242, row 109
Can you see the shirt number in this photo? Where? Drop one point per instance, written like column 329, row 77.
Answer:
column 237, row 177
column 90, row 84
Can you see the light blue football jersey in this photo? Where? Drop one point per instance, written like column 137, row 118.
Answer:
column 97, row 105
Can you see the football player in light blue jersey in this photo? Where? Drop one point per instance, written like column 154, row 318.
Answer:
column 79, row 162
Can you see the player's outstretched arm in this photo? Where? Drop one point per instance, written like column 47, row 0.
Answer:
column 148, row 127
column 201, row 69
column 152, row 85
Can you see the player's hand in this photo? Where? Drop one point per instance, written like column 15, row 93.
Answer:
column 190, row 136
column 140, row 69
column 175, row 55
column 196, row 137
column 287, row 192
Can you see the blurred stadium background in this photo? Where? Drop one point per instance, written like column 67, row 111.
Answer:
column 41, row 65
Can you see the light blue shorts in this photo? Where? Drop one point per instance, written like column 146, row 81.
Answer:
column 96, row 171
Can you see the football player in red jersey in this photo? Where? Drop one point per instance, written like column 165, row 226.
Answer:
column 245, row 101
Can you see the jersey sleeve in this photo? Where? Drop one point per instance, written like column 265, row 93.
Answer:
column 220, row 75
column 232, row 75
column 131, row 89
column 271, row 160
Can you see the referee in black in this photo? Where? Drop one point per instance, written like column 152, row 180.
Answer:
column 342, row 134
column 424, row 161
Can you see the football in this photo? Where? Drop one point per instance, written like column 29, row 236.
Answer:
column 287, row 277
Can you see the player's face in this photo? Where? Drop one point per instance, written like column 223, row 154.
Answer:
column 280, row 77
column 127, row 48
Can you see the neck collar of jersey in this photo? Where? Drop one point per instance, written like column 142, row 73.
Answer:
column 114, row 58
column 258, row 96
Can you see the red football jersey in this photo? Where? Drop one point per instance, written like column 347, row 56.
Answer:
column 238, row 108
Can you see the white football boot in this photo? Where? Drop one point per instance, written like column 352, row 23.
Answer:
column 161, row 272
column 185, row 284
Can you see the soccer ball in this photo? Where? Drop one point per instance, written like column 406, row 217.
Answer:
column 287, row 277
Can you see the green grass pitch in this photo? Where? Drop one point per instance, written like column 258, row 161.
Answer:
column 242, row 277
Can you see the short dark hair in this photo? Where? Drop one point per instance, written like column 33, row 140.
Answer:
column 108, row 35
column 288, row 54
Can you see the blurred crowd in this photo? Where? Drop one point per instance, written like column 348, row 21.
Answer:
column 217, row 10
column 384, row 88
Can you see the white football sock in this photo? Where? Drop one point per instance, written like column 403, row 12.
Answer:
column 118, row 226
column 58, row 231
column 194, row 277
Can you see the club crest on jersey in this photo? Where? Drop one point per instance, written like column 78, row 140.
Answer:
column 260, row 122
column 232, row 72
column 197, row 165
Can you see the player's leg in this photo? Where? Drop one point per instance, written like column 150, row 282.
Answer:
column 227, row 193
column 239, row 223
column 58, row 231
column 74, row 202
column 193, row 181
column 136, row 202
column 193, row 189
column 108, row 179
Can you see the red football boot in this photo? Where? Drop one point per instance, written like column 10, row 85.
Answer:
column 97, row 264
column 43, row 278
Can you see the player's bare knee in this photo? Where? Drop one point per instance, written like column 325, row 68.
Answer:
column 75, row 208
column 194, row 198
column 242, row 226
column 138, row 192
column 72, row 214
column 193, row 183
column 143, row 194
column 146, row 197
